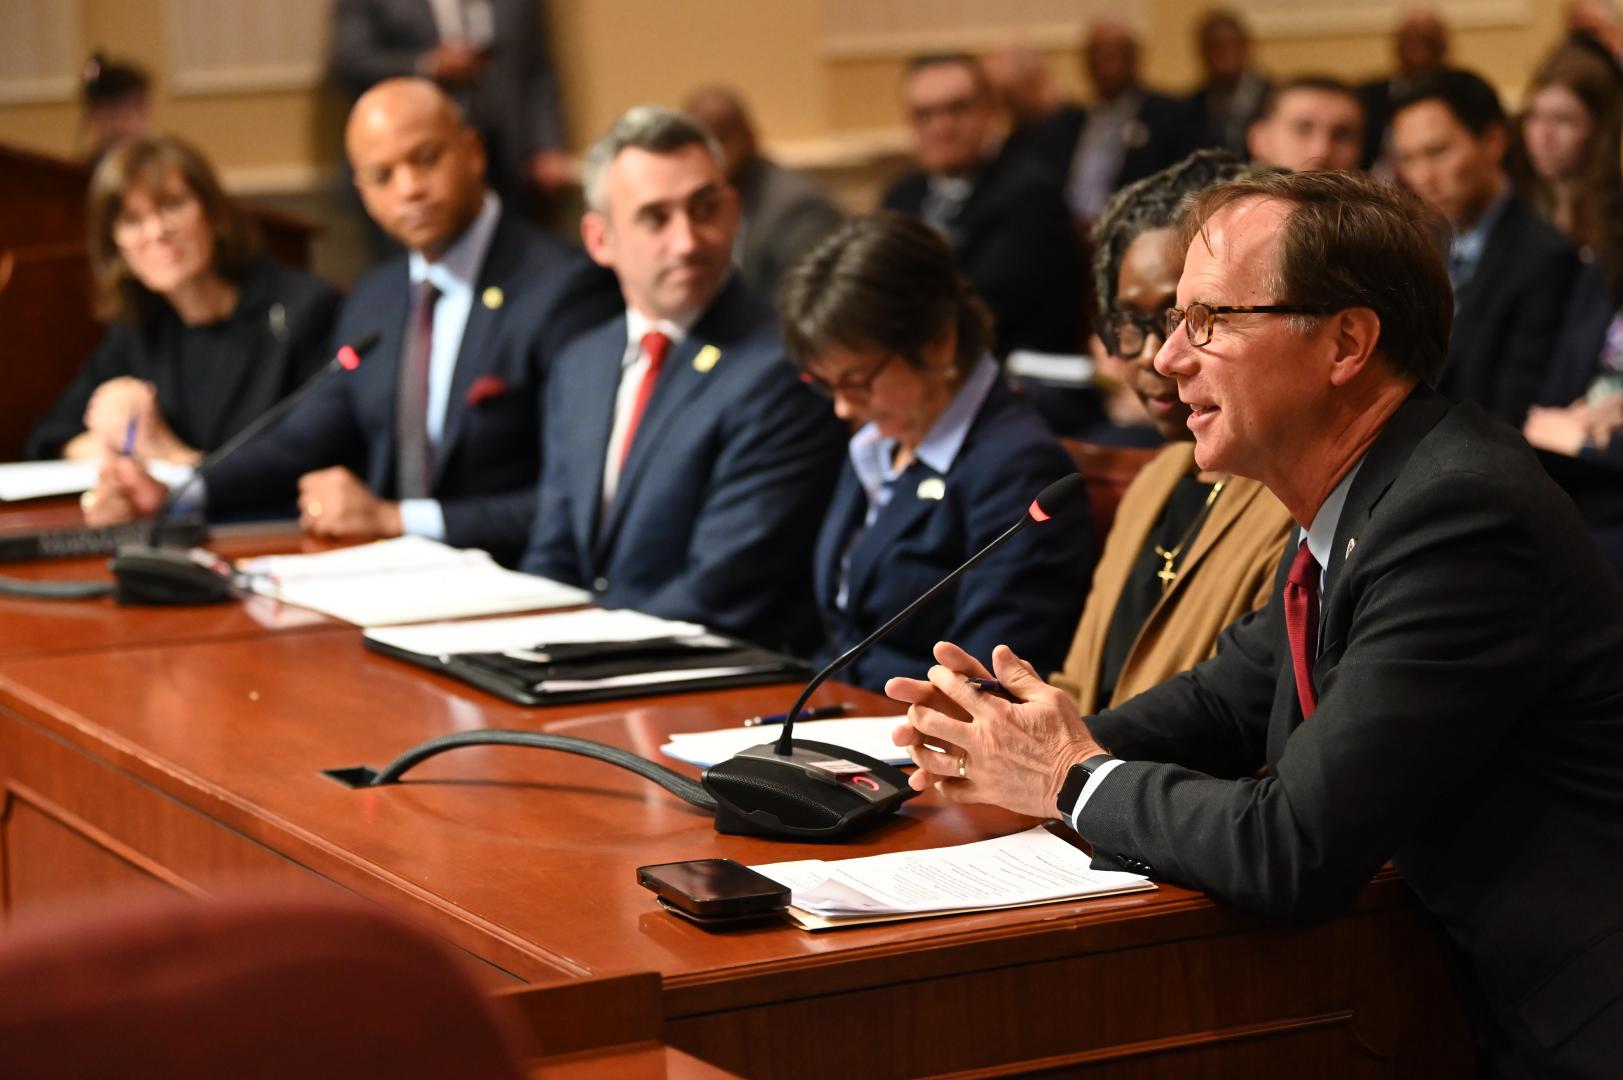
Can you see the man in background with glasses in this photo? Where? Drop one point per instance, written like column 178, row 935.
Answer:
column 1435, row 681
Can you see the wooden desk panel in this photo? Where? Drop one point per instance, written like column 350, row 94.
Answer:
column 526, row 858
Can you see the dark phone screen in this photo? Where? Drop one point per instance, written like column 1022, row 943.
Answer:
column 713, row 885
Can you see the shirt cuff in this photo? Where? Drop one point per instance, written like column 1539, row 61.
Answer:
column 422, row 517
column 1088, row 789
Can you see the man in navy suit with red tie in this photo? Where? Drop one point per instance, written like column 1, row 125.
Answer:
column 1436, row 681
column 687, row 468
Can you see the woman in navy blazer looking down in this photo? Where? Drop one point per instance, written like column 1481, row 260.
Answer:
column 945, row 458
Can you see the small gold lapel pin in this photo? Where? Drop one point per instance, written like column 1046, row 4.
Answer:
column 933, row 488
column 1352, row 542
column 493, row 298
column 278, row 321
column 708, row 357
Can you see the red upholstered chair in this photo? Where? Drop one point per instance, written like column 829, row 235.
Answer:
column 1108, row 470
column 244, row 988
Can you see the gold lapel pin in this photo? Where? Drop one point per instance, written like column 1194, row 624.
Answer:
column 278, row 321
column 493, row 298
column 707, row 359
column 933, row 488
column 1352, row 542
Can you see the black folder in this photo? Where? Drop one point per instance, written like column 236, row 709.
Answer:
column 595, row 671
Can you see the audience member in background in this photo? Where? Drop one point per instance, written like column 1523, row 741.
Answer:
column 946, row 458
column 491, row 56
column 1191, row 550
column 115, row 102
column 437, row 433
column 1310, row 122
column 1232, row 95
column 1022, row 84
column 1127, row 133
column 205, row 331
column 1000, row 209
column 686, row 466
column 1511, row 270
column 1420, row 47
column 1568, row 158
column 781, row 212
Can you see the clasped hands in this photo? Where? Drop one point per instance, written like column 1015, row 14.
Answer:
column 333, row 503
column 1014, row 754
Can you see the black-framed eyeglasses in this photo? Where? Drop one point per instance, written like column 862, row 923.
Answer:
column 1125, row 333
column 1198, row 319
column 857, row 386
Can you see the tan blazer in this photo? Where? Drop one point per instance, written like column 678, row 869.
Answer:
column 1229, row 571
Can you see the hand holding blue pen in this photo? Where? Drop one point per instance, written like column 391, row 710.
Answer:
column 129, row 435
column 993, row 687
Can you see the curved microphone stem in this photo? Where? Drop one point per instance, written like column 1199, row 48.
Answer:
column 785, row 746
column 348, row 357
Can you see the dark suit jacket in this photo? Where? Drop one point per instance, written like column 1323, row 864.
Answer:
column 514, row 105
column 1015, row 243
column 292, row 313
column 490, row 455
column 1160, row 137
column 783, row 216
column 1027, row 595
column 1469, row 728
column 715, row 512
column 1508, row 316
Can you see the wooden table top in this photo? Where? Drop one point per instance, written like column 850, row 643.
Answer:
column 524, row 857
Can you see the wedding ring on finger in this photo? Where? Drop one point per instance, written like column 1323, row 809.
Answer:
column 963, row 766
column 313, row 508
column 88, row 500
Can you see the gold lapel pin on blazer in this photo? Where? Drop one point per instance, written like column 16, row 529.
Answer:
column 1352, row 542
column 278, row 321
column 493, row 297
column 933, row 488
column 708, row 357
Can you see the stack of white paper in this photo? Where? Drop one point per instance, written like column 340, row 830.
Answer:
column 1031, row 867
column 40, row 479
column 865, row 734
column 531, row 633
column 409, row 579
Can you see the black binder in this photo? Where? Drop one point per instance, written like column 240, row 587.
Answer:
column 568, row 672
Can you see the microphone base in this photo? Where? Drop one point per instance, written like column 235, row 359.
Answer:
column 169, row 576
column 816, row 792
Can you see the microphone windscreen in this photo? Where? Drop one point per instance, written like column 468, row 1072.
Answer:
column 349, row 356
column 1060, row 497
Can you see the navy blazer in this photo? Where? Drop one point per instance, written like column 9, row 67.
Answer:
column 534, row 293
column 715, row 512
column 1028, row 595
column 1015, row 244
column 1508, row 316
column 1469, row 728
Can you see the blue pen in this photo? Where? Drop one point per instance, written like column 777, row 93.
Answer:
column 993, row 687
column 129, row 436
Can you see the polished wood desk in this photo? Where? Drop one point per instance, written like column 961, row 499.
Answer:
column 197, row 762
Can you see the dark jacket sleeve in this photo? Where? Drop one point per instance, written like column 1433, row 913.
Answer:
column 1417, row 696
column 768, row 490
column 115, row 356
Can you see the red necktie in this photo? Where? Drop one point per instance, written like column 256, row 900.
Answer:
column 654, row 346
column 1302, row 624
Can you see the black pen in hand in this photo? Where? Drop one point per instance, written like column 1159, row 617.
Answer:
column 822, row 712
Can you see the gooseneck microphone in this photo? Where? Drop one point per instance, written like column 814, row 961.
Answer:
column 793, row 789
column 1057, row 498
column 167, row 573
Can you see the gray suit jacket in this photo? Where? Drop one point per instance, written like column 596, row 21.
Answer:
column 515, row 103
column 1469, row 729
column 784, row 215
